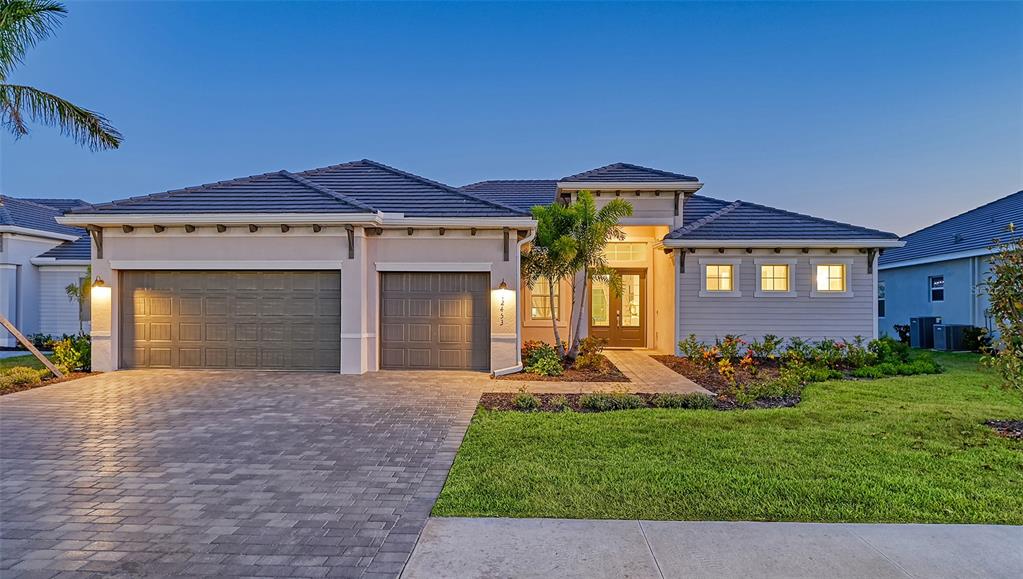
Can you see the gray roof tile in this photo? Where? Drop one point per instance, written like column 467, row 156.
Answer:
column 30, row 215
column 520, row 194
column 63, row 204
column 356, row 187
column 78, row 249
column 973, row 230
column 626, row 172
column 742, row 220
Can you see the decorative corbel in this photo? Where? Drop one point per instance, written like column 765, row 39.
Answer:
column 350, row 230
column 96, row 233
column 221, row 228
column 159, row 228
column 871, row 254
column 285, row 228
column 253, row 228
column 677, row 195
column 189, row 228
column 682, row 261
column 472, row 231
column 317, row 228
column 506, row 242
column 127, row 228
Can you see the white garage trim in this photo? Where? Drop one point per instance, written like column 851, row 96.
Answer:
column 226, row 264
column 455, row 266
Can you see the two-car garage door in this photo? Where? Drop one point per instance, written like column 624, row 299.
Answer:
column 291, row 320
column 270, row 320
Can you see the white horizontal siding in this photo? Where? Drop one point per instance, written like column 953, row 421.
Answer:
column 801, row 316
column 57, row 313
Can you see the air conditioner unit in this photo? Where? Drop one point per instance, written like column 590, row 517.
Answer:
column 921, row 331
column 949, row 336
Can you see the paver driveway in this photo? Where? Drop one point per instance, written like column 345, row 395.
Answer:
column 226, row 473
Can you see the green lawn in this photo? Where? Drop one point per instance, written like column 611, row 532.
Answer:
column 910, row 449
column 26, row 360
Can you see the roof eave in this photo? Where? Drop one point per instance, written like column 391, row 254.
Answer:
column 938, row 258
column 112, row 219
column 38, row 232
column 783, row 243
column 684, row 186
column 44, row 261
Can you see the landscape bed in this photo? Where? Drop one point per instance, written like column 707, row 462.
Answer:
column 897, row 450
column 605, row 372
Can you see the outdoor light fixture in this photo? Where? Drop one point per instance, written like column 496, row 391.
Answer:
column 503, row 285
column 98, row 282
column 502, row 294
column 99, row 290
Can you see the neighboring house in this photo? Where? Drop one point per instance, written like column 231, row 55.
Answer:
column 359, row 267
column 941, row 269
column 39, row 258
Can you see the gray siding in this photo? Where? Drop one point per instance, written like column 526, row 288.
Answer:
column 800, row 316
column 908, row 294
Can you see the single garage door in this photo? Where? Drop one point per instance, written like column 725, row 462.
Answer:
column 435, row 321
column 272, row 320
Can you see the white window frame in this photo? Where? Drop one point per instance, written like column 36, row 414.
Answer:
column 882, row 284
column 527, row 309
column 555, row 307
column 736, row 264
column 846, row 261
column 931, row 290
column 762, row 261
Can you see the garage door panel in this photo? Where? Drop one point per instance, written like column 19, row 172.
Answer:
column 272, row 320
column 439, row 324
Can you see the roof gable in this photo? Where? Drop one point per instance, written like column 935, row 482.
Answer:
column 29, row 215
column 972, row 231
column 714, row 220
column 627, row 173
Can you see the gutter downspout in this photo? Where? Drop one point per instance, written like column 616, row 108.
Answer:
column 518, row 309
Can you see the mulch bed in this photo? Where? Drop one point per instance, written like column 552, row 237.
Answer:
column 21, row 387
column 713, row 381
column 608, row 372
column 1007, row 428
column 506, row 401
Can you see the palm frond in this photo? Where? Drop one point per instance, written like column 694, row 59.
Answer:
column 85, row 127
column 23, row 23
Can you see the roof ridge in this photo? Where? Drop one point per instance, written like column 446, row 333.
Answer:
column 967, row 212
column 328, row 191
column 449, row 188
column 505, row 181
column 30, row 202
column 819, row 219
column 622, row 164
column 710, row 217
column 172, row 192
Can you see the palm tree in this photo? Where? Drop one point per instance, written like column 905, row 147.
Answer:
column 24, row 23
column 551, row 256
column 593, row 229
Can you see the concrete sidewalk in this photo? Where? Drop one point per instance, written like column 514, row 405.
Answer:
column 643, row 549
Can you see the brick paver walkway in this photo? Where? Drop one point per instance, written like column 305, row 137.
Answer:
column 226, row 473
column 649, row 375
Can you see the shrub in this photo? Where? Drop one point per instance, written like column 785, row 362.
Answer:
column 590, row 357
column 828, row 353
column 730, row 347
column 546, row 365
column 74, row 353
column 857, row 355
column 691, row 347
column 798, row 351
column 20, row 376
column 689, row 400
column 529, row 347
column 976, row 339
column 887, row 349
column 727, row 370
column 560, row 403
column 903, row 331
column 604, row 401
column 766, row 348
column 709, row 357
column 526, row 402
column 1004, row 286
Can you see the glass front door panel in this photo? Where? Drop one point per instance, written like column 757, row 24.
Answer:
column 630, row 301
column 600, row 307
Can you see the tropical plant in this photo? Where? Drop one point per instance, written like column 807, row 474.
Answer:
column 691, row 347
column 551, row 255
column 593, row 229
column 23, row 24
column 76, row 293
column 1005, row 291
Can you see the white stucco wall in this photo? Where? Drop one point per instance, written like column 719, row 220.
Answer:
column 803, row 316
column 301, row 248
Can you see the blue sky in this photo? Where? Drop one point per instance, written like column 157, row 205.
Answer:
column 887, row 115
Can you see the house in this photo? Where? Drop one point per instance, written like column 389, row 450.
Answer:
column 941, row 269
column 39, row 258
column 359, row 267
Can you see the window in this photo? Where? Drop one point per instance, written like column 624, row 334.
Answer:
column 600, row 306
column 625, row 251
column 880, row 299
column 774, row 277
column 720, row 278
column 540, row 307
column 936, row 283
column 831, row 277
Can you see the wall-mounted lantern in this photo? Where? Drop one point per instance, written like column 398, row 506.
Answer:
column 502, row 296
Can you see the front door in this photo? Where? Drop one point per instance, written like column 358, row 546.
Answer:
column 620, row 317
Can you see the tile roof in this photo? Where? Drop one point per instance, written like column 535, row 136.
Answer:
column 521, row 194
column 742, row 220
column 79, row 249
column 628, row 173
column 357, row 187
column 30, row 215
column 60, row 203
column 970, row 231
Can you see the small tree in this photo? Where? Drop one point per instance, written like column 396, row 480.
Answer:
column 551, row 255
column 76, row 293
column 1005, row 289
column 592, row 230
